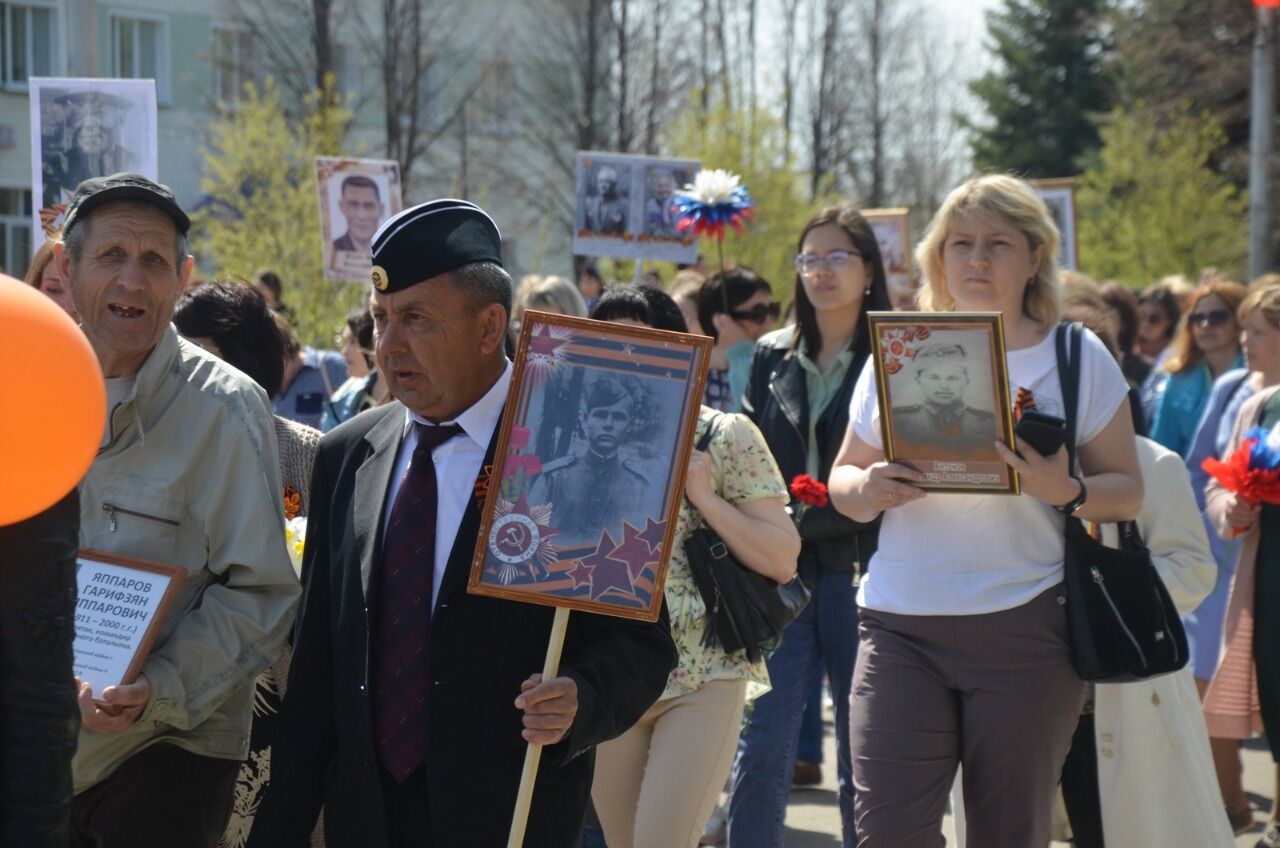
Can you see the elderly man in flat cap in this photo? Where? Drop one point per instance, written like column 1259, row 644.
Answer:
column 410, row 702
column 186, row 475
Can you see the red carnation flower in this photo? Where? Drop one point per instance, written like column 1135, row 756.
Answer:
column 809, row 491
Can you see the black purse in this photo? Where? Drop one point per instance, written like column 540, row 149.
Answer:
column 1122, row 622
column 746, row 611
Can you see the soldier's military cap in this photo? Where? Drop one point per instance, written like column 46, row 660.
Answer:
column 431, row 239
column 932, row 354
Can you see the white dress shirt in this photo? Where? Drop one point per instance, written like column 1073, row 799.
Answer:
column 458, row 464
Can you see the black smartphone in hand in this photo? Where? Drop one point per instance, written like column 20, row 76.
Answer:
column 1046, row 433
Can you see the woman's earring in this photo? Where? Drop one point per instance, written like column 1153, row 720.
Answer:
column 867, row 290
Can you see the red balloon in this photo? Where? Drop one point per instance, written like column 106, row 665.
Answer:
column 54, row 402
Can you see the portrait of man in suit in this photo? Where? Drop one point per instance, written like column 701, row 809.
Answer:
column 411, row 702
column 361, row 206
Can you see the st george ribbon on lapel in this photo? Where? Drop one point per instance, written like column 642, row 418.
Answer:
column 401, row 676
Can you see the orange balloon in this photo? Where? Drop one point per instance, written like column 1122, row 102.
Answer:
column 54, row 402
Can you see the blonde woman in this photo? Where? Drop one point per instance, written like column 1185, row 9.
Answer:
column 1206, row 346
column 964, row 654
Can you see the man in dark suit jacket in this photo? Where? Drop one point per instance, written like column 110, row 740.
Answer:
column 407, row 719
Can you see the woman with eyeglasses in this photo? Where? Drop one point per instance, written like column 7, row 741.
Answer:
column 964, row 654
column 1206, row 345
column 798, row 393
column 735, row 308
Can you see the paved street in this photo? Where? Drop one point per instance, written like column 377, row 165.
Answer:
column 813, row 821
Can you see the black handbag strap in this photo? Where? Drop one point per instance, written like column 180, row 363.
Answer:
column 712, row 426
column 1069, row 335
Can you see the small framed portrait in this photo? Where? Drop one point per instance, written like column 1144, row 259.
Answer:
column 121, row 604
column 594, row 445
column 624, row 207
column 82, row 128
column 357, row 196
column 943, row 389
column 893, row 233
column 1060, row 196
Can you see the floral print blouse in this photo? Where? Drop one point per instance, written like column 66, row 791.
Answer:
column 743, row 470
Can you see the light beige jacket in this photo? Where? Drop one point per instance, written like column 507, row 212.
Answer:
column 190, row 477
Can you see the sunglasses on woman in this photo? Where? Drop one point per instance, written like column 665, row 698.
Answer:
column 759, row 313
column 1212, row 318
column 835, row 262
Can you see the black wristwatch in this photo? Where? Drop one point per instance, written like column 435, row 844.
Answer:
column 1072, row 506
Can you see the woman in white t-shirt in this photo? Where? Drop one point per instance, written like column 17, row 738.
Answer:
column 964, row 653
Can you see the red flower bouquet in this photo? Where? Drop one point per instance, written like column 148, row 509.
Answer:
column 1253, row 471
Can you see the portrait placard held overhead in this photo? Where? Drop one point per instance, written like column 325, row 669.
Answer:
column 943, row 380
column 356, row 197
column 625, row 207
column 82, row 128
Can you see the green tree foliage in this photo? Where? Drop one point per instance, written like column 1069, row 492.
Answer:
column 1173, row 52
column 754, row 147
column 1153, row 205
column 1051, row 79
column 259, row 173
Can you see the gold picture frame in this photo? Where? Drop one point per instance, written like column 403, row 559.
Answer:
column 943, row 387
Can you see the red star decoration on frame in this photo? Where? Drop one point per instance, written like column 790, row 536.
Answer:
column 653, row 535
column 607, row 572
column 634, row 551
column 581, row 574
column 542, row 343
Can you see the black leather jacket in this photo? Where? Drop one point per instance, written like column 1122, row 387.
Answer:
column 777, row 401
column 39, row 718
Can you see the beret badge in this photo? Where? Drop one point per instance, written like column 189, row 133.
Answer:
column 380, row 280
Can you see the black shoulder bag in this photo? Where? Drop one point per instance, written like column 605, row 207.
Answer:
column 746, row 611
column 1123, row 623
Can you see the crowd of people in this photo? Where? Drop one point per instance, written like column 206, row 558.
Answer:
column 361, row 697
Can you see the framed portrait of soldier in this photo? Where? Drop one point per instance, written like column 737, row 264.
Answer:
column 1060, row 196
column 624, row 207
column 121, row 607
column 581, row 503
column 943, row 388
column 893, row 234
column 82, row 128
column 356, row 197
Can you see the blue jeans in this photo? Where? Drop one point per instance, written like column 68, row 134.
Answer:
column 825, row 635
column 810, row 748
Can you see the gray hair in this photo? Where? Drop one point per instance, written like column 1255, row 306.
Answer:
column 484, row 283
column 74, row 241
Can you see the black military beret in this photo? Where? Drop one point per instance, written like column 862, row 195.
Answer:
column 432, row 239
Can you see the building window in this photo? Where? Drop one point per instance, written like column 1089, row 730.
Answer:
column 29, row 43
column 497, row 99
column 233, row 64
column 15, row 231
column 140, row 50
column 346, row 70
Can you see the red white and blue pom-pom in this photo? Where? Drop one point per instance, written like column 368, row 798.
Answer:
column 714, row 199
column 1253, row 471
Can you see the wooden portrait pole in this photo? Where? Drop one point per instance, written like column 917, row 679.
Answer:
column 520, row 818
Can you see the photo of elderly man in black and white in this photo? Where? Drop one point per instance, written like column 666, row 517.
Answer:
column 942, row 408
column 605, row 198
column 88, row 128
column 659, row 216
column 602, row 481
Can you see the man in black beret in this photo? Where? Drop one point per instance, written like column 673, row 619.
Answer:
column 410, row 702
